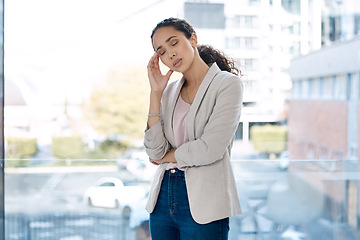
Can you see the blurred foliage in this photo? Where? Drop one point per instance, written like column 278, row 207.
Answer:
column 108, row 149
column 269, row 138
column 119, row 105
column 68, row 147
column 19, row 148
column 112, row 147
column 72, row 150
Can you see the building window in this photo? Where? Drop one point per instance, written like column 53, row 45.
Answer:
column 357, row 24
column 251, row 43
column 254, row 2
column 296, row 91
column 236, row 21
column 327, row 88
column 315, row 88
column 305, row 89
column 251, row 21
column 251, row 87
column 233, row 43
column 340, row 87
column 321, row 86
column 251, row 64
column 292, row 6
column 205, row 15
column 310, row 88
column 245, row 21
column 334, row 33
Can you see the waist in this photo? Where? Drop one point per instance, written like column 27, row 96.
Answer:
column 175, row 172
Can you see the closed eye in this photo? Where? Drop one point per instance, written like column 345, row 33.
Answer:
column 173, row 44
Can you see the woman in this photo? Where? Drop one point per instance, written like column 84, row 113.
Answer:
column 190, row 131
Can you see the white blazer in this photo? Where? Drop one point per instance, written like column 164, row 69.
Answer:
column 211, row 124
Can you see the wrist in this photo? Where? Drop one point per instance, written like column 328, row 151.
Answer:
column 157, row 94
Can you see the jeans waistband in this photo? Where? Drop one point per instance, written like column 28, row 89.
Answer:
column 175, row 172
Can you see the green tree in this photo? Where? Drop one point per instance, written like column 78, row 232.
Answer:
column 118, row 106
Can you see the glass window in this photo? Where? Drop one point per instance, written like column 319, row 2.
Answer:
column 295, row 90
column 251, row 43
column 315, row 88
column 254, row 2
column 107, row 184
column 298, row 89
column 76, row 124
column 249, row 64
column 233, row 43
column 251, row 21
column 309, row 87
column 205, row 15
column 236, row 21
column 327, row 88
column 340, row 87
column 248, row 21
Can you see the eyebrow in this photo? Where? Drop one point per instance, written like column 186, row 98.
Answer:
column 167, row 40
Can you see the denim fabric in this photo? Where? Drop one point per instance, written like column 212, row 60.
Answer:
column 171, row 218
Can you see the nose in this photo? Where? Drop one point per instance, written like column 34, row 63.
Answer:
column 172, row 55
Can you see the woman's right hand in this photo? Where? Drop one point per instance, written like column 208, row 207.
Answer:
column 157, row 80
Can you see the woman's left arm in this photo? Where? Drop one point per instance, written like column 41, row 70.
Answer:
column 220, row 129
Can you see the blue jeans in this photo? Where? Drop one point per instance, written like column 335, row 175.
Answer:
column 171, row 218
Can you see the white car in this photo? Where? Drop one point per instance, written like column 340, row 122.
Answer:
column 111, row 192
column 137, row 212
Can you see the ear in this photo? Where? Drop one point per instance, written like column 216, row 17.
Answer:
column 193, row 40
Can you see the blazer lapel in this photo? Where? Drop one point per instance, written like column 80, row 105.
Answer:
column 213, row 70
column 173, row 96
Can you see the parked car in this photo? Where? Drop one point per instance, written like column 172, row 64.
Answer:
column 137, row 163
column 112, row 192
column 137, row 213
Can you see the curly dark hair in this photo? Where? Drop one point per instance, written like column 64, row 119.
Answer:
column 177, row 23
column 211, row 55
column 207, row 53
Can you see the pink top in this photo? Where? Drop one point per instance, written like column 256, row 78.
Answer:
column 181, row 111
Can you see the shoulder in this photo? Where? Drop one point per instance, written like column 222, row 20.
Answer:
column 224, row 80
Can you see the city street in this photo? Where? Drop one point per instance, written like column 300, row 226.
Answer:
column 47, row 203
column 41, row 201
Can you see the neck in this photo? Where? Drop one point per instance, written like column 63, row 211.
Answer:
column 196, row 73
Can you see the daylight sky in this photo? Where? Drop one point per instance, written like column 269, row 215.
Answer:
column 60, row 47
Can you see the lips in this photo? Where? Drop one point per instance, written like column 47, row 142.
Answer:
column 177, row 63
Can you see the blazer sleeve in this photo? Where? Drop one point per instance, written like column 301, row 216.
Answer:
column 155, row 142
column 156, row 145
column 220, row 129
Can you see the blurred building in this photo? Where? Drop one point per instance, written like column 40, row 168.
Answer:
column 28, row 115
column 323, row 121
column 16, row 115
column 340, row 20
column 324, row 109
column 263, row 36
